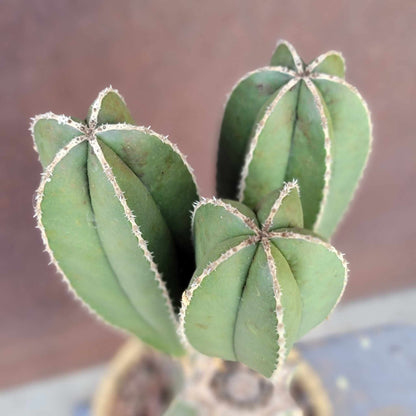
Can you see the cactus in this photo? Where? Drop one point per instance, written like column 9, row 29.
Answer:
column 261, row 282
column 295, row 121
column 114, row 210
column 110, row 217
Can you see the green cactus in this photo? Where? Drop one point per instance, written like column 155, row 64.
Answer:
column 110, row 216
column 295, row 121
column 114, row 205
column 262, row 280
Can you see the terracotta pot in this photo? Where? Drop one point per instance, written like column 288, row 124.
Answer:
column 305, row 384
column 164, row 373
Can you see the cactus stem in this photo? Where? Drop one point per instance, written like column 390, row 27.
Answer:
column 197, row 280
column 276, row 206
column 135, row 228
column 281, row 332
column 327, row 145
column 316, row 240
column 253, row 143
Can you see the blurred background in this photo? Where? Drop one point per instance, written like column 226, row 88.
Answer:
column 175, row 62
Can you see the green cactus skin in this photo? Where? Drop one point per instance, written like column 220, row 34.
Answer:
column 295, row 121
column 181, row 408
column 110, row 217
column 262, row 281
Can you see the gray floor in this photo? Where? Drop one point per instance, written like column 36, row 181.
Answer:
column 370, row 372
column 69, row 395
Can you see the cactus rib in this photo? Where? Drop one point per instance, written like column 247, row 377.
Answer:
column 288, row 187
column 198, row 279
column 228, row 207
column 46, row 177
column 315, row 240
column 61, row 120
column 321, row 58
column 354, row 90
column 327, row 145
column 164, row 139
column 253, row 143
column 135, row 228
column 295, row 56
column 97, row 104
column 281, row 331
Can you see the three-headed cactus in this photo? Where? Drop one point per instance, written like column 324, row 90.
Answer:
column 261, row 282
column 113, row 209
column 294, row 121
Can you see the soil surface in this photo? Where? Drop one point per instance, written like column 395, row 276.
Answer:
column 146, row 389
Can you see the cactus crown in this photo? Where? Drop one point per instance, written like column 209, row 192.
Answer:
column 114, row 204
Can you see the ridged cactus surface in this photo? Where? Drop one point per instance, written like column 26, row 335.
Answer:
column 115, row 200
column 261, row 282
column 291, row 121
column 113, row 208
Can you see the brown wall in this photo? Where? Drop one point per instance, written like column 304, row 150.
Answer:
column 175, row 61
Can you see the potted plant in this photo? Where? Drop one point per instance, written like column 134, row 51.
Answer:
column 229, row 289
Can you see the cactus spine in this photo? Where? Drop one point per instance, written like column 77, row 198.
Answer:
column 295, row 121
